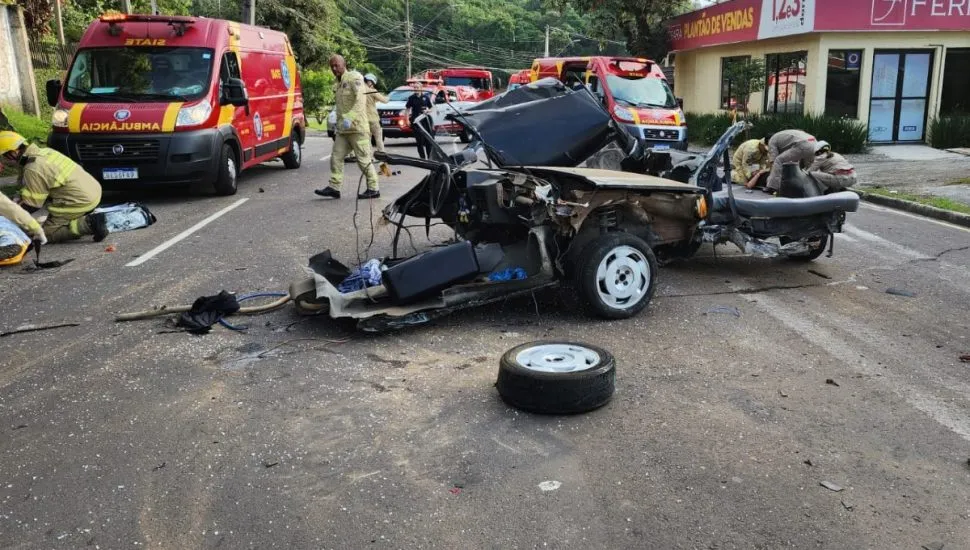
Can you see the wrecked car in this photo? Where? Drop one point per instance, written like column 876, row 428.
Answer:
column 542, row 211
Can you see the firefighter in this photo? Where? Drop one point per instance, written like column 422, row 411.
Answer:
column 786, row 147
column 749, row 162
column 353, row 132
column 13, row 212
column 831, row 170
column 373, row 119
column 48, row 177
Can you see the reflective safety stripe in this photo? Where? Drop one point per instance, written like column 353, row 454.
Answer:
column 61, row 163
column 71, row 209
column 33, row 225
column 73, row 227
column 34, row 198
column 74, row 117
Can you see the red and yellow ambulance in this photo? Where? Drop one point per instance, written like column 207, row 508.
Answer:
column 520, row 78
column 153, row 99
column 634, row 91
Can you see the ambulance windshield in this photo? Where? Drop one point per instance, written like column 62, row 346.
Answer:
column 139, row 74
column 641, row 92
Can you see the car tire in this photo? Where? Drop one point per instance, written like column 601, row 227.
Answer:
column 294, row 157
column 228, row 173
column 615, row 275
column 554, row 377
column 814, row 254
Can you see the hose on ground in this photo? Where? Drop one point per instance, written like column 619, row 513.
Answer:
column 282, row 299
column 245, row 297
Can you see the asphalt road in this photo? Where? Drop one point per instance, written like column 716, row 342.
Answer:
column 301, row 433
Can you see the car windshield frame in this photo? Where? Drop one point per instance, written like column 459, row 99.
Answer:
column 399, row 95
column 622, row 89
column 148, row 93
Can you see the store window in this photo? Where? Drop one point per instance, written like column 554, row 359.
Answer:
column 785, row 82
column 729, row 93
column 842, row 83
column 955, row 99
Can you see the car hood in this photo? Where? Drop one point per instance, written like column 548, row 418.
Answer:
column 612, row 179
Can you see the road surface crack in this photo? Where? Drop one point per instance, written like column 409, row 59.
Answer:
column 748, row 290
column 941, row 254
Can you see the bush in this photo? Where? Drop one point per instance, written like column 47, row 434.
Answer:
column 317, row 92
column 846, row 135
column 32, row 128
column 948, row 132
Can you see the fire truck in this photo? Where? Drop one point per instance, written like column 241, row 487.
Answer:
column 634, row 91
column 473, row 77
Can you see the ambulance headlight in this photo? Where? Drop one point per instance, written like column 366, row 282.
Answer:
column 622, row 113
column 194, row 115
column 59, row 118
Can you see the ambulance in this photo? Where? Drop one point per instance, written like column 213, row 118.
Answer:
column 634, row 91
column 178, row 101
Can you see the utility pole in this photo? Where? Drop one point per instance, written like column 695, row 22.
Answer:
column 249, row 12
column 547, row 41
column 60, row 22
column 154, row 7
column 407, row 30
column 126, row 6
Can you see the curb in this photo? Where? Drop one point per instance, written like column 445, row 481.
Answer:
column 956, row 218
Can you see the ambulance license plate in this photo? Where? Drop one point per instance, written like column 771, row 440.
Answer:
column 385, row 122
column 120, row 173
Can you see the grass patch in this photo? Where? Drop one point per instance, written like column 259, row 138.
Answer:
column 938, row 202
column 844, row 134
column 32, row 128
column 961, row 181
column 312, row 123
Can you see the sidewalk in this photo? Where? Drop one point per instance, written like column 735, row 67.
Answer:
column 916, row 170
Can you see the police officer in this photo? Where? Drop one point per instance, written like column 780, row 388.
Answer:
column 353, row 132
column 48, row 177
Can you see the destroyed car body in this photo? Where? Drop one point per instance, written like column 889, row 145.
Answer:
column 540, row 211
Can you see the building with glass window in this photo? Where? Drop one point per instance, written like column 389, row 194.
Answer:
column 892, row 64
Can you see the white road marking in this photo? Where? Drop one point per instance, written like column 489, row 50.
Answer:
column 171, row 242
column 934, row 407
column 915, row 217
column 326, row 158
column 876, row 239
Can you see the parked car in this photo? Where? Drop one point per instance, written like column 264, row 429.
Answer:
column 159, row 99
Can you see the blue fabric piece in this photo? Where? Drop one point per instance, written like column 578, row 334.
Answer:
column 368, row 274
column 11, row 234
column 509, row 274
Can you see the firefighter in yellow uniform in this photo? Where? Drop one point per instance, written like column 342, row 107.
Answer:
column 353, row 131
column 52, row 179
column 13, row 212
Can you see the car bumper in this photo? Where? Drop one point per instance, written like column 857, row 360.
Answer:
column 397, row 131
column 181, row 158
column 651, row 136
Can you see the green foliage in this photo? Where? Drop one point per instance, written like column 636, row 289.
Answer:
column 32, row 128
column 747, row 76
column 950, row 131
column 317, row 91
column 643, row 23
column 37, row 16
column 937, row 202
column 41, row 76
column 846, row 135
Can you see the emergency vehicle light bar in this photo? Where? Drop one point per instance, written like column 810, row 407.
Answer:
column 178, row 22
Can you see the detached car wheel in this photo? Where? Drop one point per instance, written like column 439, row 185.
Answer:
column 228, row 173
column 615, row 275
column 551, row 377
column 294, row 157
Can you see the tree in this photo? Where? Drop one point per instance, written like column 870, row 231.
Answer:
column 38, row 15
column 317, row 91
column 746, row 76
column 643, row 23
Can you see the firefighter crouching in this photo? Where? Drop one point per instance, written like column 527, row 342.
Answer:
column 49, row 178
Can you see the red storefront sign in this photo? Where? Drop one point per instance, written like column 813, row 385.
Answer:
column 892, row 15
column 725, row 23
column 746, row 20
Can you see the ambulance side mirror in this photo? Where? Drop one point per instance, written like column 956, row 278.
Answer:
column 234, row 93
column 53, row 92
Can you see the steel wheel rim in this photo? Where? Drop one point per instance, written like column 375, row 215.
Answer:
column 623, row 277
column 297, row 150
column 231, row 165
column 558, row 358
